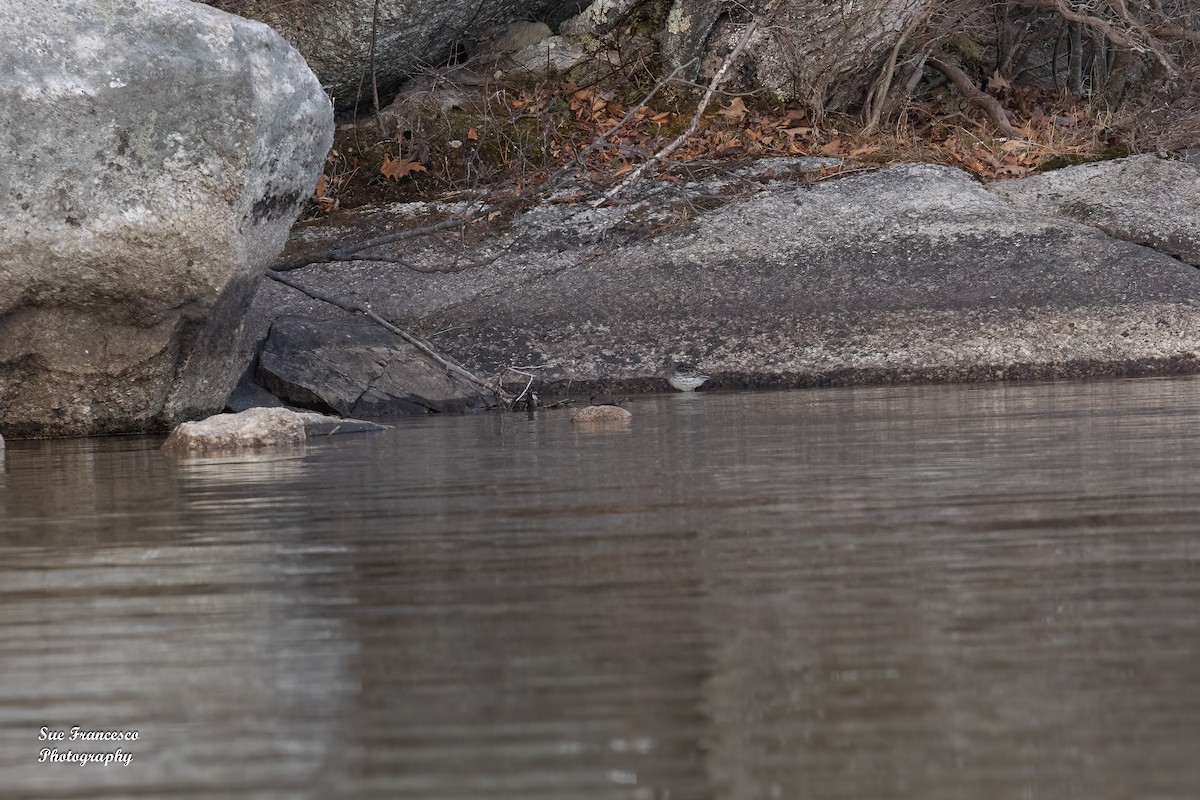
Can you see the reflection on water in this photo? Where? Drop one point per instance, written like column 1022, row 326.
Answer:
column 917, row 592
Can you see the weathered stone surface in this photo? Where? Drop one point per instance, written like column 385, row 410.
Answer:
column 597, row 18
column 335, row 37
column 256, row 427
column 555, row 55
column 811, row 50
column 598, row 414
column 156, row 153
column 1144, row 199
column 248, row 394
column 914, row 272
column 353, row 367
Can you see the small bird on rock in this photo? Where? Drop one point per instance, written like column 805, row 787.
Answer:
column 683, row 377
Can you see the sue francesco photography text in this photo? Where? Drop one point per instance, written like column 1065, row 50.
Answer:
column 67, row 746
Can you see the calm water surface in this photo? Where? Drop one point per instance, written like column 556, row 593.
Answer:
column 918, row 592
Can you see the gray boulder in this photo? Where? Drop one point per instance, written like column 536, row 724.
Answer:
column 914, row 272
column 156, row 153
column 1144, row 199
column 336, row 37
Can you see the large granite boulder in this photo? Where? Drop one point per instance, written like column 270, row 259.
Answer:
column 155, row 155
column 913, row 272
column 336, row 37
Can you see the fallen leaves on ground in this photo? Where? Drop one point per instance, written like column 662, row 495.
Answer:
column 397, row 168
column 1052, row 128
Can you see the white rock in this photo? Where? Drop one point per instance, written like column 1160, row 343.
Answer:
column 255, row 427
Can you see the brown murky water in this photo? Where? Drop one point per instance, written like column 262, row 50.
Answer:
column 918, row 592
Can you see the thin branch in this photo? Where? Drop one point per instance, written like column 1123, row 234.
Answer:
column 529, row 375
column 374, row 38
column 1110, row 32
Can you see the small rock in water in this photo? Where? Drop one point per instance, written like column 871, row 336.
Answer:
column 254, row 427
column 601, row 414
column 258, row 427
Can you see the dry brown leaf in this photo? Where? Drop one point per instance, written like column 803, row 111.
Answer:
column 997, row 82
column 397, row 168
column 1013, row 171
column 473, row 135
column 735, row 112
column 832, row 148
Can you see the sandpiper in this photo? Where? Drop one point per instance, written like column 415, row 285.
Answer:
column 683, row 377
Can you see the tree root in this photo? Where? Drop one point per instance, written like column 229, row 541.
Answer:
column 977, row 96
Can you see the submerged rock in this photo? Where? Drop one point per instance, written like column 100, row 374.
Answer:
column 258, row 427
column 156, row 153
column 601, row 418
column 601, row 414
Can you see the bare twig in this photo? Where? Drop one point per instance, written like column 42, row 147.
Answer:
column 374, row 38
column 1136, row 38
column 524, row 391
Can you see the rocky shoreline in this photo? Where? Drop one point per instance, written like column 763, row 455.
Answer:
column 136, row 264
column 908, row 273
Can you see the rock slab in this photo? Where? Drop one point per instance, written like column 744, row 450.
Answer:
column 909, row 273
column 351, row 367
column 1143, row 199
column 156, row 153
